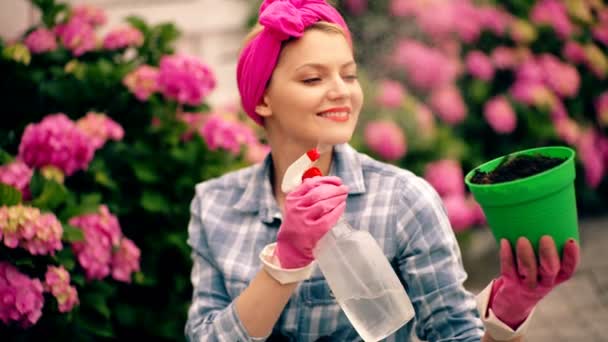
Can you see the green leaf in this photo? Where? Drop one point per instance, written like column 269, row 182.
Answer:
column 98, row 302
column 154, row 201
column 9, row 195
column 145, row 172
column 104, row 179
column 138, row 23
column 66, row 258
column 89, row 203
column 72, row 234
column 52, row 195
column 5, row 157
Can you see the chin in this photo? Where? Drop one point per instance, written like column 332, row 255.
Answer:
column 335, row 138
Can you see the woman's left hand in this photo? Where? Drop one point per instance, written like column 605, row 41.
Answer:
column 524, row 281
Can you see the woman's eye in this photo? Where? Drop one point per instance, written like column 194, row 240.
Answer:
column 351, row 77
column 311, row 80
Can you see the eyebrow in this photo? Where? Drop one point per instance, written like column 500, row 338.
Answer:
column 322, row 66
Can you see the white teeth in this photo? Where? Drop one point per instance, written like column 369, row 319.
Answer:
column 335, row 115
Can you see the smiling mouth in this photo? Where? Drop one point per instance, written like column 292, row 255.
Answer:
column 337, row 114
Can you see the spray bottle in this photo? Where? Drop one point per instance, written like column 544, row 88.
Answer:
column 357, row 271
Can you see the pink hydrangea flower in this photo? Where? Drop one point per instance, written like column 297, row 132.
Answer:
column 142, row 82
column 554, row 14
column 102, row 234
column 226, row 133
column 447, row 102
column 402, row 8
column 57, row 282
column 460, row 213
column 18, row 175
column 479, row 65
column 56, row 141
column 574, row 52
column 100, row 128
column 425, row 67
column 193, row 121
column 425, row 121
column 26, row 227
column 92, row 15
column 567, row 129
column 591, row 156
column 446, row 177
column 601, row 109
column 77, row 36
column 256, row 152
column 494, row 19
column 532, row 93
column 479, row 217
column 41, row 40
column 438, row 20
column 386, row 139
column 20, row 295
column 185, row 79
column 503, row 57
column 390, row 94
column 125, row 260
column 560, row 77
column 356, row 7
column 600, row 33
column 123, row 37
column 500, row 115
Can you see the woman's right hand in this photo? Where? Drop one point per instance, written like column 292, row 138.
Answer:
column 311, row 210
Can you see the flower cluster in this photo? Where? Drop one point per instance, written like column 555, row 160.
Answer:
column 185, row 79
column 21, row 296
column 104, row 248
column 123, row 37
column 28, row 228
column 447, row 179
column 57, row 282
column 386, row 139
column 18, row 175
column 56, row 141
column 99, row 128
column 226, row 132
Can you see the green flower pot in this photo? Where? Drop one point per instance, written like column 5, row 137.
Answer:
column 541, row 204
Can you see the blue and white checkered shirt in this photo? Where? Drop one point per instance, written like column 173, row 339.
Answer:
column 236, row 215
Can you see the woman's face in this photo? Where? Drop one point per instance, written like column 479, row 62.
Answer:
column 314, row 95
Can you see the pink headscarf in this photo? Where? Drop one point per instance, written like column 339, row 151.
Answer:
column 282, row 19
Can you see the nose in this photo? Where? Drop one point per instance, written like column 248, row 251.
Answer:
column 338, row 89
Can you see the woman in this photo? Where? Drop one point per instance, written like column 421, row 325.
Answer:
column 297, row 78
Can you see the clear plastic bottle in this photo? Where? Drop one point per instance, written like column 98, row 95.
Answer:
column 363, row 282
column 357, row 271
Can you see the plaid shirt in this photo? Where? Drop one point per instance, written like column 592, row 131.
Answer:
column 233, row 217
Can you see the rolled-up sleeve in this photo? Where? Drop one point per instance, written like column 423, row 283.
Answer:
column 212, row 315
column 431, row 266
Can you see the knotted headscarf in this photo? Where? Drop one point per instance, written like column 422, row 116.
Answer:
column 281, row 19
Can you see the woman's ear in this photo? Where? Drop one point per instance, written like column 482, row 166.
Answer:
column 263, row 108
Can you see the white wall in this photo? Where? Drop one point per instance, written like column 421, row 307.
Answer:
column 211, row 29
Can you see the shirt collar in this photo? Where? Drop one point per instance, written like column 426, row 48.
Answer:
column 258, row 195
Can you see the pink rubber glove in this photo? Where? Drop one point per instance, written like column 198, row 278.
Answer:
column 518, row 289
column 311, row 210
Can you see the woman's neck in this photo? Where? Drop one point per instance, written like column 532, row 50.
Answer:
column 283, row 157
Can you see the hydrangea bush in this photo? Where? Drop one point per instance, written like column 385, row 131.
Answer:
column 104, row 137
column 461, row 82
